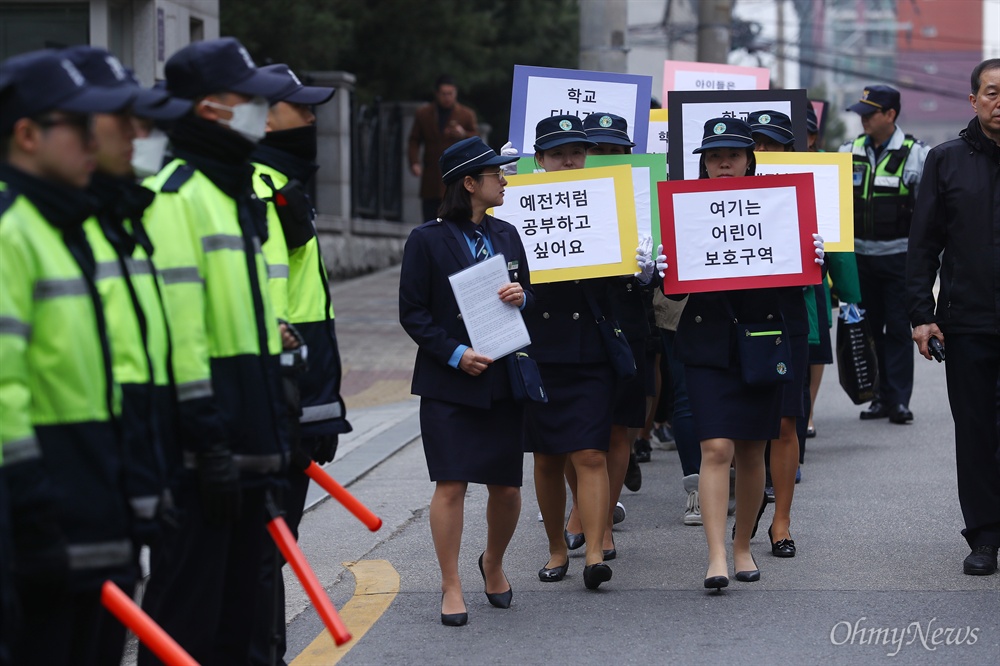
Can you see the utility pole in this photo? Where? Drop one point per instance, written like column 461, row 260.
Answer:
column 603, row 26
column 715, row 18
column 780, row 48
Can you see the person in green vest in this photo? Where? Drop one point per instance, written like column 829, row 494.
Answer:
column 886, row 175
column 60, row 434
column 285, row 164
column 208, row 228
column 130, row 287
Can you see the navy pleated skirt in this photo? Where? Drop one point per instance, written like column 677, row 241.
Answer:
column 474, row 445
column 724, row 407
column 578, row 413
column 793, row 394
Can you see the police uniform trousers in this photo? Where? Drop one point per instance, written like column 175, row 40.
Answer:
column 630, row 396
column 578, row 413
column 972, row 369
column 463, row 443
column 724, row 407
column 203, row 580
column 883, row 295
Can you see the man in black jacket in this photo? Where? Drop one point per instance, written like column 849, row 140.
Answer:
column 958, row 211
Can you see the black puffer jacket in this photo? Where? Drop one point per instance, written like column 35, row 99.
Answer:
column 958, row 211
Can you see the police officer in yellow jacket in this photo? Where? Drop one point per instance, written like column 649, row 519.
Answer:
column 285, row 163
column 130, row 287
column 886, row 174
column 207, row 229
column 62, row 447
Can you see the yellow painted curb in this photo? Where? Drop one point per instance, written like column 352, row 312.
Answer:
column 376, row 584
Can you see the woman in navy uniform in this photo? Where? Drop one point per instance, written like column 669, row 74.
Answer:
column 574, row 426
column 772, row 132
column 470, row 423
column 732, row 420
column 630, row 297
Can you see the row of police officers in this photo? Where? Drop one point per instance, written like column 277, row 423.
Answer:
column 168, row 357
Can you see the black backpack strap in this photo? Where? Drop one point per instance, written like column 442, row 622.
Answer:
column 180, row 176
column 899, row 155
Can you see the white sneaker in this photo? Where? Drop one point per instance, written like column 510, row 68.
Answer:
column 540, row 519
column 619, row 514
column 692, row 512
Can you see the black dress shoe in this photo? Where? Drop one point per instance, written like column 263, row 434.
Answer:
column 553, row 575
column 643, row 450
column 749, row 576
column 900, row 414
column 716, row 582
column 454, row 619
column 574, row 541
column 982, row 561
column 810, row 433
column 876, row 410
column 497, row 599
column 782, row 548
column 595, row 574
column 612, row 552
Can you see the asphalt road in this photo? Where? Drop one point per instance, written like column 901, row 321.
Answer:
column 877, row 579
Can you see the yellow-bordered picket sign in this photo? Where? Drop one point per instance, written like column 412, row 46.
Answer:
column 575, row 224
column 834, row 191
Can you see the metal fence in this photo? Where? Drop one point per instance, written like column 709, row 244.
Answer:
column 377, row 161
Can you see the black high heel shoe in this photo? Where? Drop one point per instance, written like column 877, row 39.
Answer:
column 453, row 619
column 595, row 574
column 716, row 582
column 782, row 548
column 574, row 541
column 497, row 599
column 749, row 576
column 612, row 552
column 760, row 512
column 553, row 575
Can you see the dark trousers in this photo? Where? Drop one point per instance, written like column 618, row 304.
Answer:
column 688, row 446
column 203, row 586
column 270, row 632
column 883, row 293
column 67, row 628
column 973, row 370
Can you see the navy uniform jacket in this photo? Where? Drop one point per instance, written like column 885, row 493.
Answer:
column 562, row 325
column 430, row 315
column 705, row 332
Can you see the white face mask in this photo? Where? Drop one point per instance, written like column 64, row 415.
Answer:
column 249, row 119
column 148, row 152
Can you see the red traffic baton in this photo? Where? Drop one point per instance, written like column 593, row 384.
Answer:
column 151, row 634
column 339, row 493
column 293, row 555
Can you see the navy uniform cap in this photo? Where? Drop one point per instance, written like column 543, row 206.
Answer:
column 812, row 122
column 558, row 131
column 102, row 69
column 876, row 98
column 772, row 124
column 467, row 157
column 295, row 91
column 215, row 66
column 725, row 133
column 607, row 128
column 41, row 81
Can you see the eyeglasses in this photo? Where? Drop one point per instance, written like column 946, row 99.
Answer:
column 498, row 174
column 78, row 122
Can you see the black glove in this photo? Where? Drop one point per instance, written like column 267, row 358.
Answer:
column 41, row 559
column 324, row 448
column 219, row 481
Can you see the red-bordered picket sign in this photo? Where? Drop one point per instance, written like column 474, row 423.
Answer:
column 738, row 233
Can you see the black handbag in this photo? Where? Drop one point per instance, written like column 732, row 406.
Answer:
column 857, row 362
column 615, row 344
column 765, row 354
column 525, row 378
